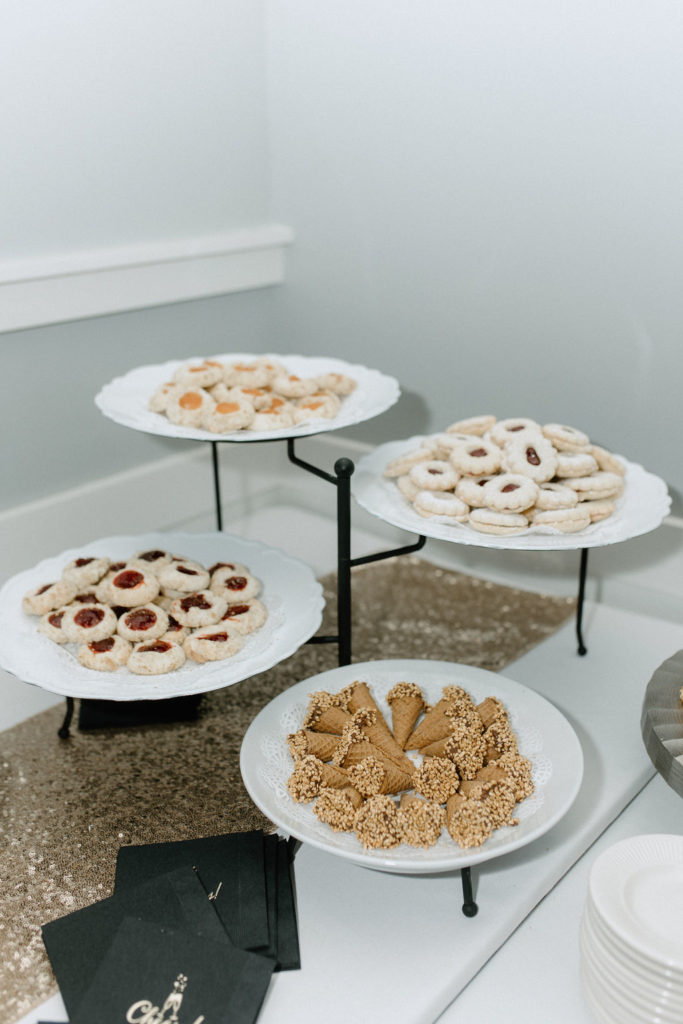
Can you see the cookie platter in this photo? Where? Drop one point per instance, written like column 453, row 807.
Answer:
column 544, row 736
column 125, row 399
column 292, row 597
column 641, row 507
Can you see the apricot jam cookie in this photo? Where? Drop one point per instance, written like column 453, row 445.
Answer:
column 48, row 596
column 187, row 406
column 105, row 655
column 249, row 375
column 277, row 416
column 228, row 414
column 319, row 405
column 155, row 658
column 199, row 375
column 289, row 385
column 213, row 643
column 337, row 383
column 146, row 622
column 200, row 608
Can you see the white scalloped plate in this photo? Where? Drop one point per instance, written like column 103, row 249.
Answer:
column 125, row 399
column 544, row 736
column 641, row 508
column 291, row 594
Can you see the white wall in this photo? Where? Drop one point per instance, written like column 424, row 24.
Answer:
column 487, row 199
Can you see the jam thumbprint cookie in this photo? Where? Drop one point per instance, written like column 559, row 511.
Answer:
column 48, row 596
column 84, row 572
column 245, row 617
column 83, row 623
column 131, row 587
column 235, row 587
column 202, row 608
column 146, row 622
column 214, row 643
column 155, row 658
column 105, row 655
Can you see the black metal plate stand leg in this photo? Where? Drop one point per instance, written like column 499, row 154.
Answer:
column 63, row 731
column 581, row 649
column 469, row 906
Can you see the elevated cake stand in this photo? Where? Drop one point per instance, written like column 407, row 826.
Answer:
column 641, row 508
column 292, row 596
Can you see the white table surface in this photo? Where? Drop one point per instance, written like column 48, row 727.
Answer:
column 382, row 948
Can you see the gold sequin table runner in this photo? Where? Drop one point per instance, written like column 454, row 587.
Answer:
column 67, row 806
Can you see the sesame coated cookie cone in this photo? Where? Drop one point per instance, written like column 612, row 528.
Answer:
column 306, row 741
column 378, row 734
column 406, row 705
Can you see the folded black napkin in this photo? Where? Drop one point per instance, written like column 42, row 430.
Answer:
column 151, row 972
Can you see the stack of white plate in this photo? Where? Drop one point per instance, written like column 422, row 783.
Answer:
column 631, row 937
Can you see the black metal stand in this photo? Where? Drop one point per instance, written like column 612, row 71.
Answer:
column 582, row 649
column 469, row 906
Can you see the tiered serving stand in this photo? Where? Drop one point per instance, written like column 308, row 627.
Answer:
column 125, row 400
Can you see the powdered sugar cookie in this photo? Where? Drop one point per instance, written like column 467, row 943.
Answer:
column 478, row 457
column 434, row 475
column 501, row 523
column 554, row 496
column 235, row 587
column 478, row 425
column 607, row 460
column 228, row 415
column 213, row 643
column 156, row 658
column 84, row 623
column 403, row 464
column 599, row 509
column 245, row 617
column 407, row 488
column 567, row 520
column 51, row 626
column 470, row 489
column 338, row 383
column 535, row 458
column 148, row 622
column 250, row 375
column 510, row 492
column 48, row 596
column 566, row 439
column 85, row 571
column 160, row 398
column 105, row 655
column 289, row 385
column 132, row 587
column 202, row 608
column 183, row 576
column 572, row 464
column 199, row 375
column 597, row 486
column 440, row 503
column 187, row 406
column 518, row 428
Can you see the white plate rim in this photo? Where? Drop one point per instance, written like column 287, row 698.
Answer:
column 380, row 496
column 71, row 679
column 607, row 878
column 123, row 400
column 408, row 861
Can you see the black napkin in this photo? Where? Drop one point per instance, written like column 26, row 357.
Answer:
column 231, row 868
column 77, row 943
column 148, row 965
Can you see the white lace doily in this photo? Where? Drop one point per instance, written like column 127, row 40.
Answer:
column 125, row 399
column 642, row 507
column 292, row 596
column 544, row 736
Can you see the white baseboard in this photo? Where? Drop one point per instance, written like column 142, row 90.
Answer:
column 85, row 284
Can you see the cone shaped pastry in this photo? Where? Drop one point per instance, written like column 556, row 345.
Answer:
column 395, row 781
column 307, row 741
column 356, row 752
column 434, row 726
column 379, row 735
column 436, row 749
column 406, row 705
column 489, row 710
column 334, row 778
column 327, row 719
